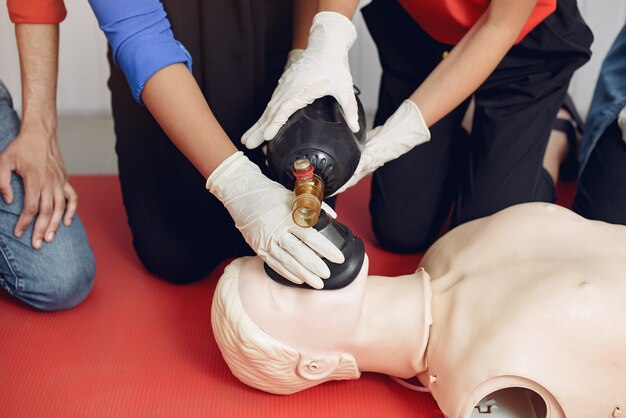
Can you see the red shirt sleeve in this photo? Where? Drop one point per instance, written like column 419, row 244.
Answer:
column 449, row 20
column 36, row 11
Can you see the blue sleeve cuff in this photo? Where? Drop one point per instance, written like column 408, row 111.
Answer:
column 141, row 38
column 144, row 55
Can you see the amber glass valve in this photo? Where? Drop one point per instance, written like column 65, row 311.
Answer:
column 309, row 191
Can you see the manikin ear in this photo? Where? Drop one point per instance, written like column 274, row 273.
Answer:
column 317, row 367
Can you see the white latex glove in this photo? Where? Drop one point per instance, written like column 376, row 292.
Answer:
column 261, row 209
column 403, row 130
column 293, row 56
column 621, row 120
column 322, row 69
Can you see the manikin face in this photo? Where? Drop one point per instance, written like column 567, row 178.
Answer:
column 310, row 321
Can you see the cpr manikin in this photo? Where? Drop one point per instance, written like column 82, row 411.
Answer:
column 532, row 297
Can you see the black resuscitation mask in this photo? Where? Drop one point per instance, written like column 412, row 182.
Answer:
column 314, row 154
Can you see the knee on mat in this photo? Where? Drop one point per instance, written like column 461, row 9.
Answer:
column 398, row 238
column 174, row 264
column 598, row 211
column 66, row 283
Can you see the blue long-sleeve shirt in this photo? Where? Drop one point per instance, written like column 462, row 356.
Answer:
column 141, row 38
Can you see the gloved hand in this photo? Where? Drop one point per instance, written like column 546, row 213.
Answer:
column 403, row 130
column 261, row 209
column 322, row 69
column 621, row 120
column 293, row 56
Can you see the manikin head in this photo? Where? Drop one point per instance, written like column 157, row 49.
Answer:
column 284, row 339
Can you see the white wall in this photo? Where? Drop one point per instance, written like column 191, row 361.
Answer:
column 606, row 18
column 83, row 67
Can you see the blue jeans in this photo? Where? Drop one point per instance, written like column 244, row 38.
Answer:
column 601, row 192
column 61, row 273
column 609, row 98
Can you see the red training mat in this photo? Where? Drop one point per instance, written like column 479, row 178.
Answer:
column 140, row 347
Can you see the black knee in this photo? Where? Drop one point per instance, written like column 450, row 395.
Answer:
column 174, row 262
column 404, row 236
column 600, row 194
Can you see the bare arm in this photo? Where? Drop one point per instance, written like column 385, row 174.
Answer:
column 176, row 102
column 473, row 59
column 38, row 47
column 470, row 62
column 345, row 7
column 34, row 153
column 303, row 12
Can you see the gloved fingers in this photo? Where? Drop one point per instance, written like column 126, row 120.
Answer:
column 280, row 269
column 329, row 210
column 304, row 255
column 253, row 137
column 296, row 270
column 282, row 112
column 319, row 243
column 350, row 109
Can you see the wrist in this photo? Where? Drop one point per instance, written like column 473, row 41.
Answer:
column 332, row 33
column 232, row 172
column 37, row 132
column 415, row 117
column 406, row 125
column 42, row 122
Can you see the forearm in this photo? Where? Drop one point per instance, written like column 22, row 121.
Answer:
column 38, row 46
column 176, row 102
column 472, row 60
column 303, row 12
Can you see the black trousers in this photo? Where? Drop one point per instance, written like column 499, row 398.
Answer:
column 500, row 163
column 239, row 48
column 601, row 192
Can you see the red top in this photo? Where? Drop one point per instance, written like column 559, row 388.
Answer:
column 36, row 11
column 449, row 20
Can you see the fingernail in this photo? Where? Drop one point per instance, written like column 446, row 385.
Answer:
column 18, row 233
column 50, row 236
column 38, row 244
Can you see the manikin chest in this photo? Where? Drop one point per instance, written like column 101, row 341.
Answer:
column 548, row 315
